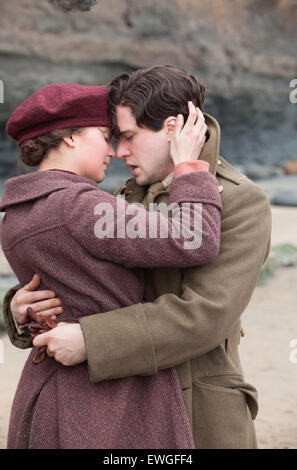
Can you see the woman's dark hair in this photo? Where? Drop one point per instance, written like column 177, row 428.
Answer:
column 33, row 151
column 153, row 94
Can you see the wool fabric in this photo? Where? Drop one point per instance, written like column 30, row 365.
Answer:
column 59, row 106
column 48, row 229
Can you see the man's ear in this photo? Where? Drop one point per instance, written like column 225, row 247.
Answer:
column 169, row 126
column 69, row 141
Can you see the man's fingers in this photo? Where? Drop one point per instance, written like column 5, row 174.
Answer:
column 45, row 306
column 34, row 283
column 35, row 296
column 50, row 312
column 41, row 340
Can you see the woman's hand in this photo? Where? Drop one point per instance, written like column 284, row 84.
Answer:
column 187, row 140
column 43, row 302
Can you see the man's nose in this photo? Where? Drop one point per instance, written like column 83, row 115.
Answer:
column 122, row 151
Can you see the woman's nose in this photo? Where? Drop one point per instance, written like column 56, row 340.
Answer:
column 111, row 152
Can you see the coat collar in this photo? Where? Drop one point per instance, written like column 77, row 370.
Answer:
column 38, row 184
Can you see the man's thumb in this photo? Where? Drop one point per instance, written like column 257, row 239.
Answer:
column 34, row 283
column 41, row 340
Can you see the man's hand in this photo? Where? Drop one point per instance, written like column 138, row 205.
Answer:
column 65, row 344
column 43, row 302
column 187, row 141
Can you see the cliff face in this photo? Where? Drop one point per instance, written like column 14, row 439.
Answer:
column 244, row 50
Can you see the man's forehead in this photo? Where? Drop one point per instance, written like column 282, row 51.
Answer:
column 125, row 120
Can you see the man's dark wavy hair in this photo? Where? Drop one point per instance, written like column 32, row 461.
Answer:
column 153, row 94
column 69, row 5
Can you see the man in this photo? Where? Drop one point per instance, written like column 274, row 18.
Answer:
column 191, row 317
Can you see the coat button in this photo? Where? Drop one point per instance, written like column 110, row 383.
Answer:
column 123, row 189
column 219, row 162
column 242, row 332
column 220, row 188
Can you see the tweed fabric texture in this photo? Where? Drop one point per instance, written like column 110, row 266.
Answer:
column 49, row 229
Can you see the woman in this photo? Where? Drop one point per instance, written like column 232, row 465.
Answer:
column 51, row 228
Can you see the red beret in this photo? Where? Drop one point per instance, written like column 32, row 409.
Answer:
column 59, row 106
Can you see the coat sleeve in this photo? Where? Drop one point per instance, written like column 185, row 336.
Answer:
column 110, row 228
column 80, row 220
column 173, row 329
column 20, row 340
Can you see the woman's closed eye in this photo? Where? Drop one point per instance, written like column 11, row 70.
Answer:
column 106, row 138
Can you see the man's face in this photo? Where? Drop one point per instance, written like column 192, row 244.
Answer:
column 145, row 151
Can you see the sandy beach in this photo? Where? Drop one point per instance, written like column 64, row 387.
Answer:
column 270, row 323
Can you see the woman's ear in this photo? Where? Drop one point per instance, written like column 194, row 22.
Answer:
column 169, row 126
column 69, row 141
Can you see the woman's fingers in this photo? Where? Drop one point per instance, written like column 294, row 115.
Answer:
column 191, row 118
column 179, row 124
column 200, row 121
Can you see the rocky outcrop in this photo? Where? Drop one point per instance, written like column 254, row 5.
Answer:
column 290, row 168
column 243, row 50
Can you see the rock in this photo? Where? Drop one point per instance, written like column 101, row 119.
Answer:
column 227, row 44
column 280, row 256
column 255, row 171
column 281, row 191
column 267, row 271
column 284, row 255
column 290, row 168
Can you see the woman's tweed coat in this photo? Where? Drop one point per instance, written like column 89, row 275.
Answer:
column 49, row 229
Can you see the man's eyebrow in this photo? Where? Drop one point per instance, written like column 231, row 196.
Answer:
column 126, row 131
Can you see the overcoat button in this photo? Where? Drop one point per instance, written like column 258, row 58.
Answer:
column 242, row 332
column 220, row 188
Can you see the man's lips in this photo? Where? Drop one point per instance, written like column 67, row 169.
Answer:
column 134, row 168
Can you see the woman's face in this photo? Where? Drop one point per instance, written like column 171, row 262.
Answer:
column 93, row 152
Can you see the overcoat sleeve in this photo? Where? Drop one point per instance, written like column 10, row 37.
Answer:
column 105, row 225
column 144, row 338
column 20, row 340
column 79, row 204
